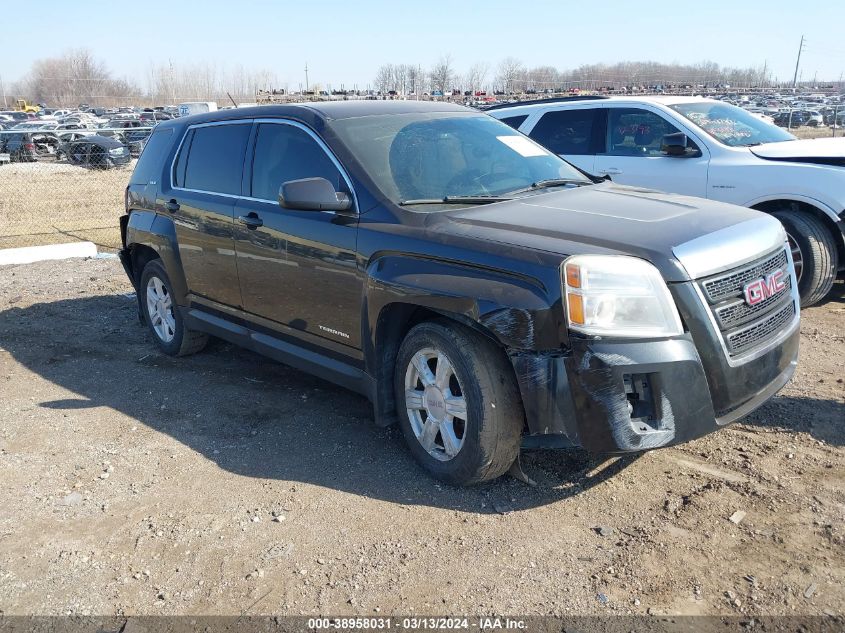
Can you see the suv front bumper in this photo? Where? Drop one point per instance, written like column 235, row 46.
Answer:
column 635, row 396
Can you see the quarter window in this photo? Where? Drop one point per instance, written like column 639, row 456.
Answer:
column 151, row 157
column 567, row 131
column 213, row 159
column 514, row 121
column 285, row 152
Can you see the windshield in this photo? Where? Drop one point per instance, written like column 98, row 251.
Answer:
column 732, row 125
column 447, row 154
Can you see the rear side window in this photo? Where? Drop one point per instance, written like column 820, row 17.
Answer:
column 214, row 159
column 514, row 121
column 150, row 162
column 285, row 152
column 567, row 131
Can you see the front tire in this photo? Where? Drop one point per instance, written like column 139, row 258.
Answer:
column 813, row 252
column 459, row 405
column 162, row 316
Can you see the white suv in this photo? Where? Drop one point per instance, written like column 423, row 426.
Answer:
column 706, row 148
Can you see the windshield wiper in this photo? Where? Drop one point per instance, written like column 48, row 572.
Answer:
column 551, row 182
column 456, row 200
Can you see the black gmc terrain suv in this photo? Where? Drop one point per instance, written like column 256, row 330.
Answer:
column 475, row 287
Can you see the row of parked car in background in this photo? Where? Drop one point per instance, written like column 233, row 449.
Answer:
column 91, row 137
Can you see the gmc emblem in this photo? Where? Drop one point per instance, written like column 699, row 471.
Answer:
column 761, row 289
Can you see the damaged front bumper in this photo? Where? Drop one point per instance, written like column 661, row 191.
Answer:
column 633, row 396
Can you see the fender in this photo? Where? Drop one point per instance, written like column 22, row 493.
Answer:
column 158, row 233
column 518, row 312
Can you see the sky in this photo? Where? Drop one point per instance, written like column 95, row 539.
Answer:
column 344, row 42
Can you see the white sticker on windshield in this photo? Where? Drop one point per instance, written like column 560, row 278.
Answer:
column 522, row 146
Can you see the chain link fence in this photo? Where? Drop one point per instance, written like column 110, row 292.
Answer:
column 61, row 186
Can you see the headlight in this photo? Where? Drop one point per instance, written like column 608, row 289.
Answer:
column 618, row 296
column 117, row 151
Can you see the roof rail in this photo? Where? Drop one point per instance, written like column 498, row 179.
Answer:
column 552, row 100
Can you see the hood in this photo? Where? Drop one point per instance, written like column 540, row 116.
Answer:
column 820, row 151
column 610, row 219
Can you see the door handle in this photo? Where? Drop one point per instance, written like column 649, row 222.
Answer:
column 251, row 220
column 172, row 206
column 610, row 171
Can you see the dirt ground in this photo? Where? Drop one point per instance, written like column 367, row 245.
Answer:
column 225, row 483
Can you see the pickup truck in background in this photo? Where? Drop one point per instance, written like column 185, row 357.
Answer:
column 710, row 149
column 474, row 286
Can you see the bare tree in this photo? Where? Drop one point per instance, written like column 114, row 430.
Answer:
column 74, row 77
column 510, row 75
column 442, row 74
column 476, row 76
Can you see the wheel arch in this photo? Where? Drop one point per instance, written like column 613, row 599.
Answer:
column 513, row 313
column 150, row 236
column 833, row 224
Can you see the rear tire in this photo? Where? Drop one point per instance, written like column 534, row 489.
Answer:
column 817, row 251
column 459, row 404
column 162, row 315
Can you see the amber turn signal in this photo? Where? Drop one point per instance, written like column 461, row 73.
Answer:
column 573, row 275
column 575, row 305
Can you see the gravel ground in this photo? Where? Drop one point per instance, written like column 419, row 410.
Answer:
column 225, row 483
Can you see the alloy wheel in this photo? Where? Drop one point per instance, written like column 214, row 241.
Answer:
column 797, row 257
column 435, row 403
column 160, row 310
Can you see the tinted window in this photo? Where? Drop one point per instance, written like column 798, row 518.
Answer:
column 635, row 132
column 149, row 164
column 215, row 159
column 284, row 152
column 567, row 131
column 514, row 121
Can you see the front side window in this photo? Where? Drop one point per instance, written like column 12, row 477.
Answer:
column 286, row 152
column 636, row 132
column 731, row 125
column 440, row 154
column 567, row 131
column 214, row 159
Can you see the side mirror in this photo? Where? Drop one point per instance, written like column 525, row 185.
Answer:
column 675, row 144
column 312, row 194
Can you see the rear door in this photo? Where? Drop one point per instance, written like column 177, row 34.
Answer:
column 632, row 156
column 575, row 134
column 297, row 267
column 205, row 183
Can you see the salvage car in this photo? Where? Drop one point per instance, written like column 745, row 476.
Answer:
column 703, row 147
column 94, row 151
column 473, row 285
column 19, row 147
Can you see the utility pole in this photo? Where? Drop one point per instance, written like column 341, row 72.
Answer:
column 795, row 80
column 306, row 76
column 797, row 61
column 3, row 90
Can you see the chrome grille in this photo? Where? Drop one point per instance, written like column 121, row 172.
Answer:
column 734, row 312
column 746, row 338
column 730, row 285
column 743, row 327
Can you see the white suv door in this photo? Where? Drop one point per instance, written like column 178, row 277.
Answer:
column 633, row 156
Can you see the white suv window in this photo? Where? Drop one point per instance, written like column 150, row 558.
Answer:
column 568, row 131
column 636, row 132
